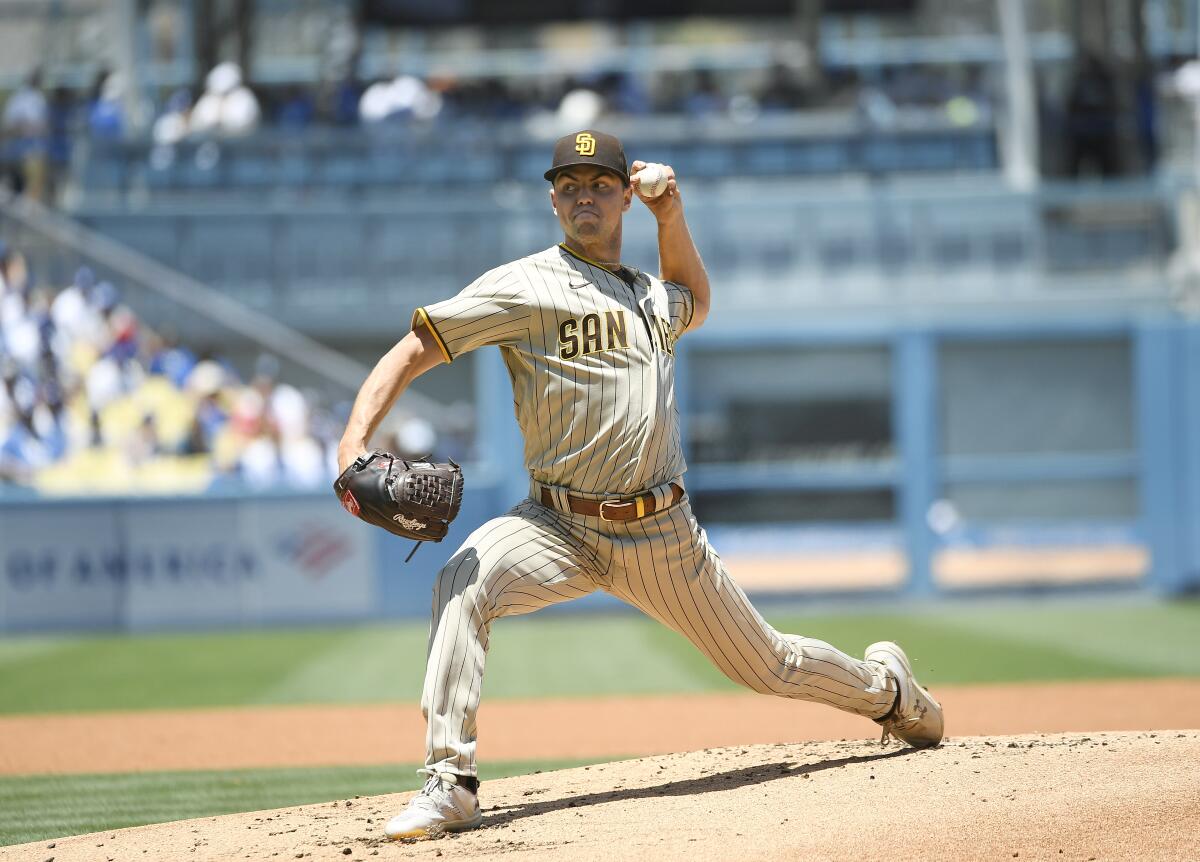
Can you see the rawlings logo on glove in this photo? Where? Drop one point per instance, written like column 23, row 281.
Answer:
column 413, row 499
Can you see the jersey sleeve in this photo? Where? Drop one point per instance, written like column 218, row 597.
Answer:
column 495, row 309
column 682, row 306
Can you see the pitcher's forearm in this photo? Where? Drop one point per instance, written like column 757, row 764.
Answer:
column 679, row 261
column 411, row 357
column 387, row 380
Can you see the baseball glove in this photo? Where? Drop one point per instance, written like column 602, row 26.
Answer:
column 413, row 499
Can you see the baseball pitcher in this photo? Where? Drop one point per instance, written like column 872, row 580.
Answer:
column 590, row 346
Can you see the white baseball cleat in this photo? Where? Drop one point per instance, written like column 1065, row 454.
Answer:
column 917, row 717
column 443, row 805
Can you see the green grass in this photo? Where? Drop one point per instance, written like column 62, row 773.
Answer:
column 1025, row 644
column 562, row 656
column 46, row 807
column 571, row 656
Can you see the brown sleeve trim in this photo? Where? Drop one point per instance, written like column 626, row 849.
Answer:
column 421, row 317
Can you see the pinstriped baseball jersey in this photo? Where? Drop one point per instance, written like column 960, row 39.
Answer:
column 592, row 359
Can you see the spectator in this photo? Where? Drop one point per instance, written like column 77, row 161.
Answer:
column 172, row 125
column 123, row 335
column 166, row 356
column 22, row 330
column 303, row 462
column 228, row 108
column 25, row 126
column 144, row 444
column 72, row 311
column 206, row 377
column 108, row 379
column 21, row 450
column 345, row 101
column 782, row 91
column 580, row 108
column 704, row 98
column 10, row 398
column 1146, row 114
column 14, row 292
column 624, row 94
column 414, row 437
column 259, row 465
column 297, row 110
column 1092, row 119
column 106, row 119
column 210, row 419
column 403, row 98
column 61, row 123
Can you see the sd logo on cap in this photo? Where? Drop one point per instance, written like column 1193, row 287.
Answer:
column 589, row 147
column 585, row 144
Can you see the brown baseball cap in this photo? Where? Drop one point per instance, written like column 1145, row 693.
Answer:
column 589, row 147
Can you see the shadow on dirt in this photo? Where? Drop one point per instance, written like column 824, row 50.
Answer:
column 734, row 778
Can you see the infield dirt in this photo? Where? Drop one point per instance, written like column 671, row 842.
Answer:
column 1098, row 796
column 549, row 729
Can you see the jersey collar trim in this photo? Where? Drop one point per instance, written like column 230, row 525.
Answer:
column 633, row 273
column 587, row 260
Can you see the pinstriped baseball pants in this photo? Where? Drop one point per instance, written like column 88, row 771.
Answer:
column 534, row 556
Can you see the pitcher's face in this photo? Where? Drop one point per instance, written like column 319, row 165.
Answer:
column 589, row 202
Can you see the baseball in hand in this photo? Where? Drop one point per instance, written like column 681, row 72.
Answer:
column 652, row 180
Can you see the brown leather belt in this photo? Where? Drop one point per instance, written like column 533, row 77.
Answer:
column 611, row 510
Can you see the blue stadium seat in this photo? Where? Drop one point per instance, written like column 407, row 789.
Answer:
column 338, row 169
column 164, row 175
column 252, row 169
column 192, row 174
column 823, row 157
column 768, row 158
column 105, row 170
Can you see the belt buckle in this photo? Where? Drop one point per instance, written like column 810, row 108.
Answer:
column 638, row 502
column 604, row 503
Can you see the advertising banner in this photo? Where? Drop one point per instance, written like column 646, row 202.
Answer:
column 63, row 567
column 206, row 562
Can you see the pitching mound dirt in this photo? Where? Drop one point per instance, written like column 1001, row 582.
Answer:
column 1078, row 797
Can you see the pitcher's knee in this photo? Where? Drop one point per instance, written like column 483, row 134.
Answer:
column 455, row 578
column 469, row 605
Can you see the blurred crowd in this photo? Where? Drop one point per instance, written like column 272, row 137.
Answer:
column 39, row 124
column 93, row 400
column 698, row 93
column 227, row 107
column 1081, row 122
